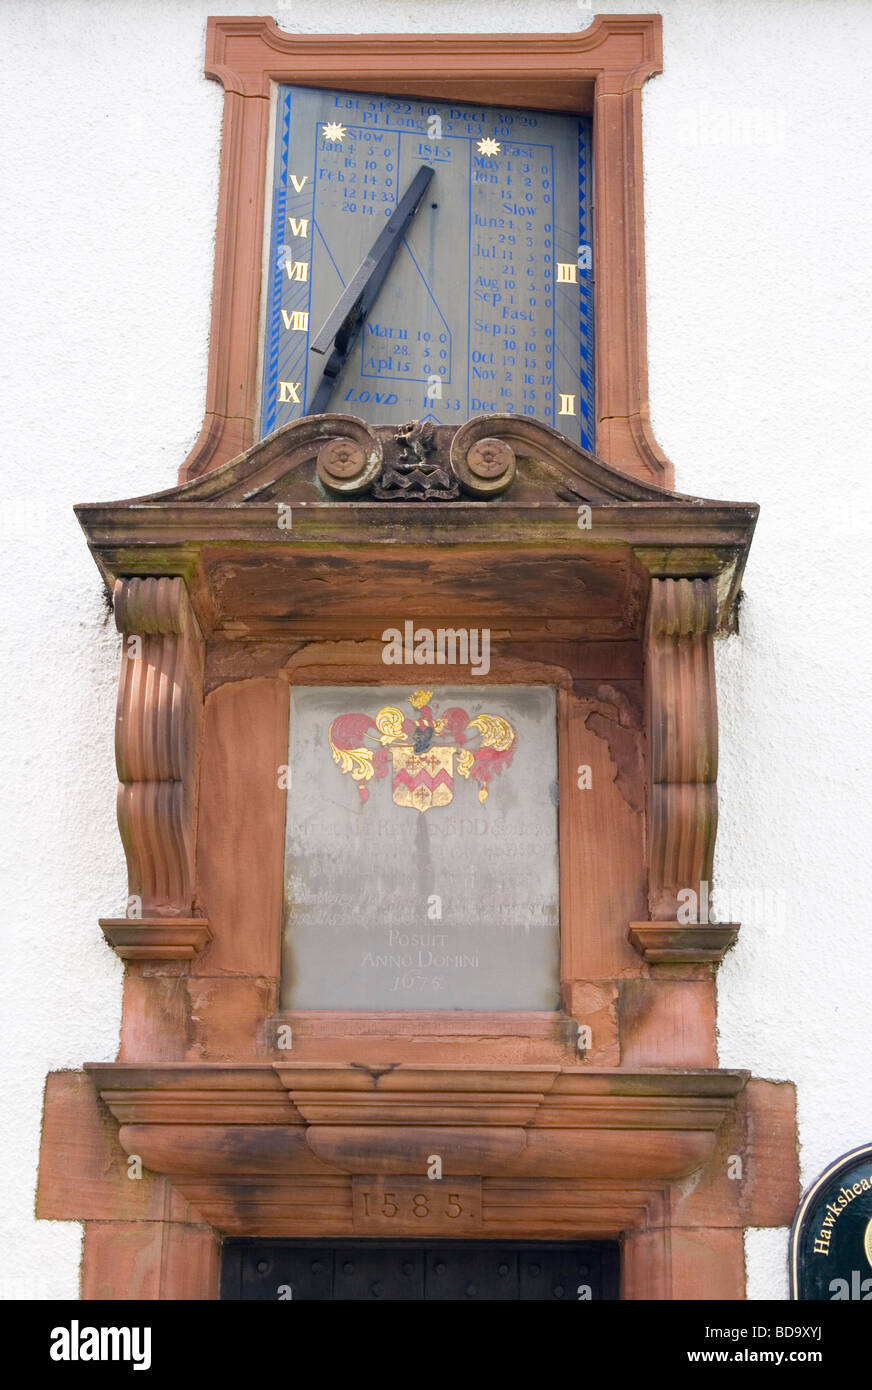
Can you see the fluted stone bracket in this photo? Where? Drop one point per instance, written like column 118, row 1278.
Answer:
column 157, row 739
column 682, row 723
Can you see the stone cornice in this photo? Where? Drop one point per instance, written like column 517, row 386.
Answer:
column 524, row 1121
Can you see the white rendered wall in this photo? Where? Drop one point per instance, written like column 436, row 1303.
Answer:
column 759, row 329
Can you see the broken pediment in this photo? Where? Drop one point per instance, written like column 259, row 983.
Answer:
column 461, row 515
column 328, row 458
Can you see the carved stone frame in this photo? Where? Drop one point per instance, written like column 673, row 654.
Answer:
column 221, row 609
column 599, row 70
column 631, row 1137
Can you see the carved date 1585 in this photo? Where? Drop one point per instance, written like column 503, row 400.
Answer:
column 412, row 1204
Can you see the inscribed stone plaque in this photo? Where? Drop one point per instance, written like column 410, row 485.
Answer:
column 409, row 1206
column 421, row 849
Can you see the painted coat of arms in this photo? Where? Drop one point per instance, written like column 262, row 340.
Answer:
column 422, row 751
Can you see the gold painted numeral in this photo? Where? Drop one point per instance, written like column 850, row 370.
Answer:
column 566, row 273
column 299, row 184
column 296, row 319
column 299, row 226
column 290, row 391
column 567, row 405
column 297, row 270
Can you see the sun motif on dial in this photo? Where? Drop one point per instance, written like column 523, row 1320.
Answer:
column 488, row 146
column 333, row 130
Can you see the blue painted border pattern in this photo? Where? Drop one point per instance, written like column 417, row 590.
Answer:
column 586, row 397
column 276, row 267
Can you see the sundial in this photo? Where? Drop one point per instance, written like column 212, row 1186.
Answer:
column 438, row 253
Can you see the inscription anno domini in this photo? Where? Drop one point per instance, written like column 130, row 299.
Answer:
column 440, row 892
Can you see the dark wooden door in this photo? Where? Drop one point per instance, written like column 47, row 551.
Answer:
column 309, row 1270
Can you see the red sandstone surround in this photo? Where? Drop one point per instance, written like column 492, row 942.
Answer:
column 599, row 70
column 606, row 1118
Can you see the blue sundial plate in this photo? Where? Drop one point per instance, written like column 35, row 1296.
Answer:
column 488, row 305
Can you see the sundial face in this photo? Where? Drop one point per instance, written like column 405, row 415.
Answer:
column 487, row 302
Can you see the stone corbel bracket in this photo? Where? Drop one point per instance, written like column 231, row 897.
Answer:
column 681, row 705
column 682, row 724
column 157, row 738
